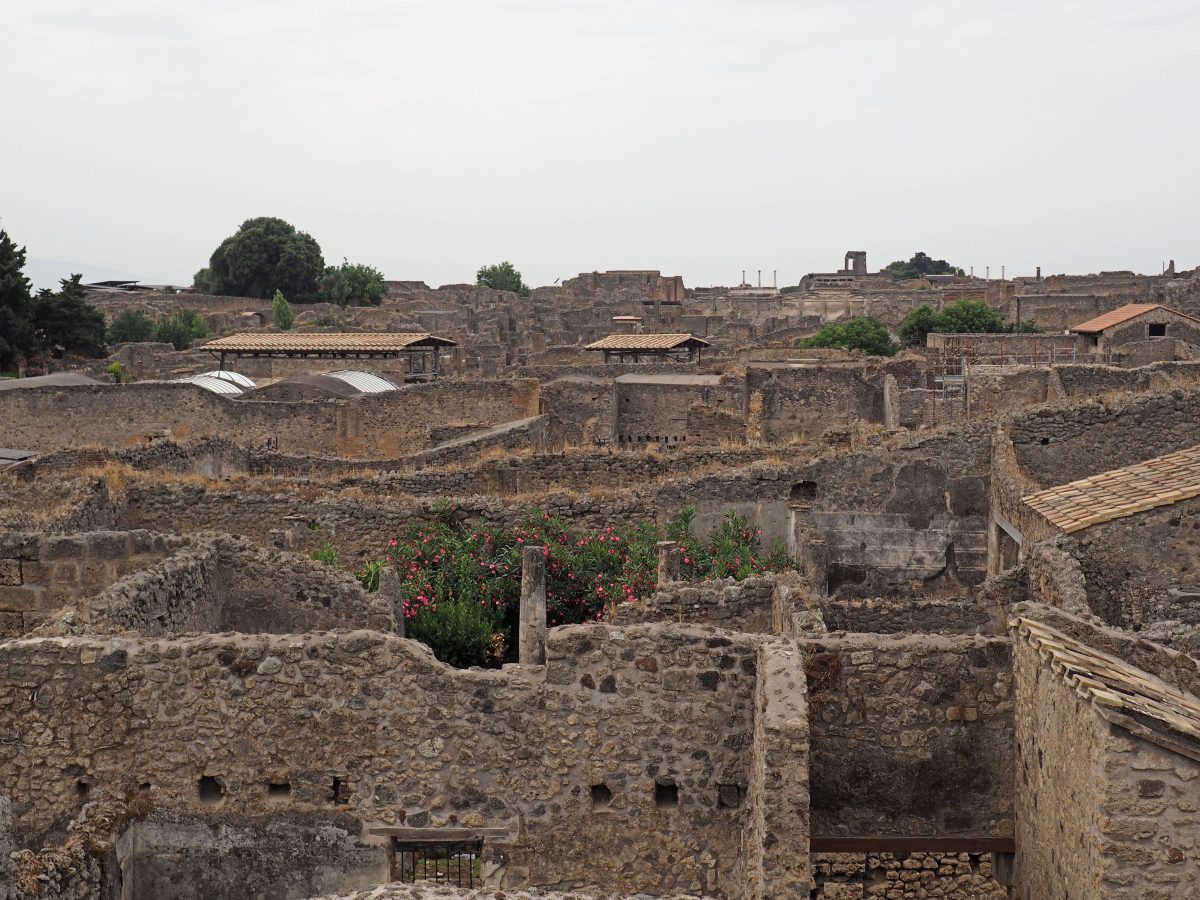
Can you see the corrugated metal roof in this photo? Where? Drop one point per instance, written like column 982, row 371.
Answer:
column 286, row 342
column 216, row 385
column 647, row 342
column 1123, row 314
column 365, row 382
column 235, row 377
column 1120, row 492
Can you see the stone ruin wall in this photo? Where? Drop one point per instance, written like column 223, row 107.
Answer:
column 360, row 723
column 40, row 573
column 910, row 735
column 380, row 425
column 1057, row 445
column 1098, row 810
column 218, row 583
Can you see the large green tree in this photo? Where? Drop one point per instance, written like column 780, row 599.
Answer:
column 352, row 282
column 64, row 319
column 862, row 333
column 17, row 336
column 960, row 317
column 265, row 255
column 503, row 276
column 919, row 265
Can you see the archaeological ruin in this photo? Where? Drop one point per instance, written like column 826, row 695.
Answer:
column 611, row 591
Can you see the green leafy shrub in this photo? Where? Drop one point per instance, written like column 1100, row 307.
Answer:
column 130, row 326
column 459, row 630
column 181, row 329
column 114, row 369
column 281, row 312
column 961, row 317
column 861, row 333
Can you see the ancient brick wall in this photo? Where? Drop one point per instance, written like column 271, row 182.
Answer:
column 40, row 573
column 372, row 725
column 994, row 390
column 658, row 412
column 910, row 735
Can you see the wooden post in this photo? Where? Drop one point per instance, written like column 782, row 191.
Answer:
column 531, row 649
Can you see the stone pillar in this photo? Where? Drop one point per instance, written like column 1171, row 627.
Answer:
column 669, row 557
column 389, row 588
column 531, row 650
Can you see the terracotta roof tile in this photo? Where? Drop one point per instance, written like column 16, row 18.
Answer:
column 1122, row 314
column 1123, row 694
column 646, row 342
column 1120, row 492
column 284, row 342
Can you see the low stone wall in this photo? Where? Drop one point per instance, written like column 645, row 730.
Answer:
column 219, row 583
column 907, row 876
column 885, row 615
column 745, row 606
column 910, row 735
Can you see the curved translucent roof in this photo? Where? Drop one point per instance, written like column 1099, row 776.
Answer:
column 236, row 377
column 216, row 385
column 364, row 382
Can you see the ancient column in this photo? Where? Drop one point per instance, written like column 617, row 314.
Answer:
column 669, row 557
column 531, row 650
column 389, row 587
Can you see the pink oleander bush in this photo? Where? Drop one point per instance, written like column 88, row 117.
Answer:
column 462, row 584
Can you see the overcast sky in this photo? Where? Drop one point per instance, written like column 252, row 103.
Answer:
column 699, row 137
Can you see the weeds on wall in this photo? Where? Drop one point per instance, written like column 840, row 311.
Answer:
column 461, row 584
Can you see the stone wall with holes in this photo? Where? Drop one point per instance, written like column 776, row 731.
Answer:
column 41, row 573
column 910, row 735
column 1061, row 444
column 219, row 583
column 627, row 766
column 800, row 403
column 653, row 412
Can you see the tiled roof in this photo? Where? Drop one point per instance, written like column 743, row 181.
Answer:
column 285, row 342
column 1123, row 694
column 1123, row 314
column 1120, row 492
column 646, row 342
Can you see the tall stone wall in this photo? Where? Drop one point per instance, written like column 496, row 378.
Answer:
column 801, row 403
column 1101, row 812
column 910, row 735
